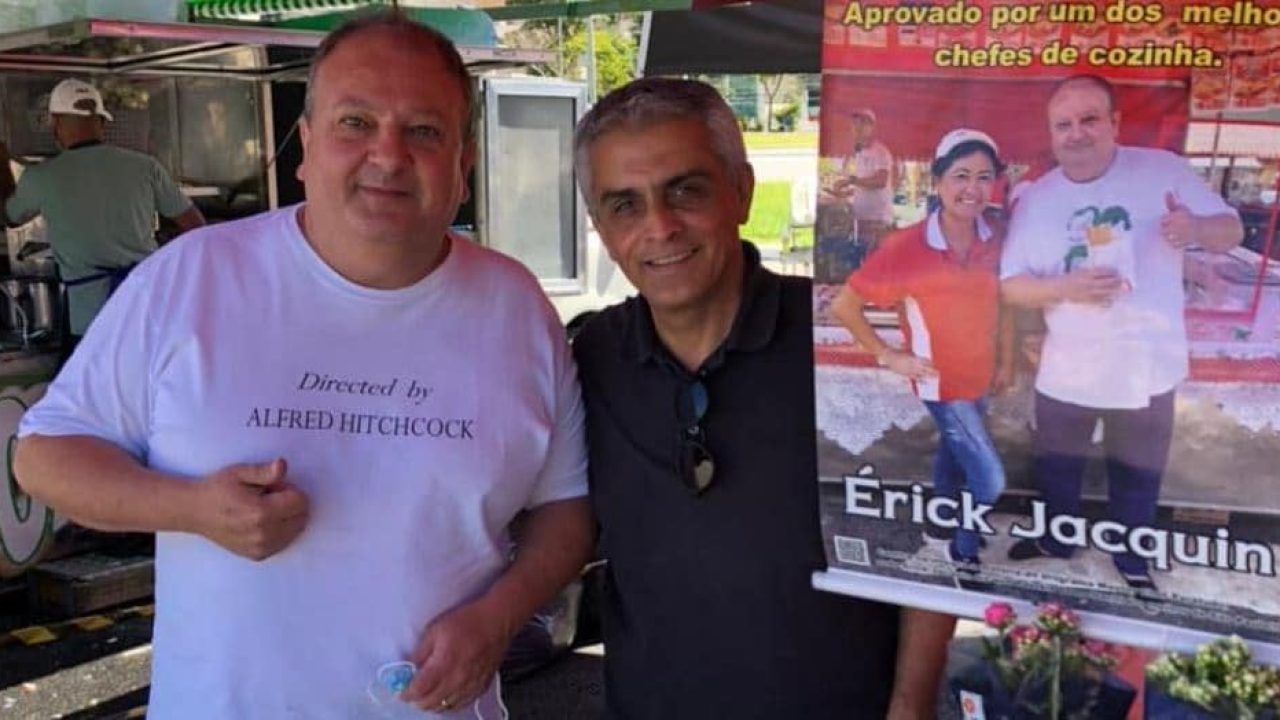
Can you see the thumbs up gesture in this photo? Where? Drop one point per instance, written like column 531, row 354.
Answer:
column 252, row 509
column 1177, row 225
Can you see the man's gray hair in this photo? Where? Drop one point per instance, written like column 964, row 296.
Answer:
column 647, row 102
column 395, row 21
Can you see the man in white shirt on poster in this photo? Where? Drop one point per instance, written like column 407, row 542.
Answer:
column 863, row 197
column 1098, row 245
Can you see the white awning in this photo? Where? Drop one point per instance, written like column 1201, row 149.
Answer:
column 1239, row 140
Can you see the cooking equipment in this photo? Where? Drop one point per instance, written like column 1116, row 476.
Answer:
column 30, row 307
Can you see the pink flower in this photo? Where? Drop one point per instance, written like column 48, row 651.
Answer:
column 1024, row 635
column 1051, row 609
column 999, row 615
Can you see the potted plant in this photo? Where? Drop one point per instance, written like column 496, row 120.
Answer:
column 1219, row 681
column 1045, row 669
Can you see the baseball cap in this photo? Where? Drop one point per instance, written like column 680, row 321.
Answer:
column 963, row 135
column 77, row 97
column 867, row 113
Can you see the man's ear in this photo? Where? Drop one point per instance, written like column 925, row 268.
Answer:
column 746, row 191
column 467, row 163
column 304, row 137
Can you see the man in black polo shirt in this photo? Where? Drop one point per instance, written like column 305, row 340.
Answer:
column 700, row 419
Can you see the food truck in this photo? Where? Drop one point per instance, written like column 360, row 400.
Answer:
column 216, row 102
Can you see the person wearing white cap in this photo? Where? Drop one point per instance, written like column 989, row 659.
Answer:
column 941, row 275
column 98, row 200
column 866, row 188
column 1097, row 244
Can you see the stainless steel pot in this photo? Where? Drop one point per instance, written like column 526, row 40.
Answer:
column 30, row 306
column 44, row 309
column 15, row 316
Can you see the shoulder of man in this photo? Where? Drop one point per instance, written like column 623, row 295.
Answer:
column 512, row 279
column 119, row 152
column 602, row 336
column 222, row 244
column 1154, row 158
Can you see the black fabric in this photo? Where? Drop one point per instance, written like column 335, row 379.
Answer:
column 708, row 610
column 780, row 36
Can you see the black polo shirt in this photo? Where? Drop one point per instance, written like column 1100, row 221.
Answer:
column 708, row 609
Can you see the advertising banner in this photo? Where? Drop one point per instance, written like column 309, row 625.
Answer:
column 1047, row 311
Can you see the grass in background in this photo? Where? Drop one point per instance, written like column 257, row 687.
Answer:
column 781, row 140
column 770, row 212
column 770, row 215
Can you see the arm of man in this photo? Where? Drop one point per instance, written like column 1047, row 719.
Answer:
column 923, row 637
column 189, row 219
column 462, row 649
column 874, row 181
column 1215, row 233
column 1219, row 233
column 1091, row 285
column 248, row 509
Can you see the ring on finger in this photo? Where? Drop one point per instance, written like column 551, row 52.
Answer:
column 446, row 704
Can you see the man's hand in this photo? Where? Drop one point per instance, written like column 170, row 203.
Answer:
column 1178, row 226
column 1091, row 285
column 457, row 657
column 908, row 365
column 251, row 510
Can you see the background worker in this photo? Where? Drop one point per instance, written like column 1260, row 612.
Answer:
column 99, row 200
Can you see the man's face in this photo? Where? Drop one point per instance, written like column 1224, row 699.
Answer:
column 56, row 125
column 1083, row 130
column 668, row 212
column 864, row 129
column 384, row 157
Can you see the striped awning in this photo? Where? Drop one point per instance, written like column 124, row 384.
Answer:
column 251, row 10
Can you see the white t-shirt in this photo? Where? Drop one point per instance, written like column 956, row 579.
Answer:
column 418, row 421
column 873, row 205
column 1117, row 356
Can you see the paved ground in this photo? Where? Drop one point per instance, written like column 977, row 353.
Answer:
column 103, row 675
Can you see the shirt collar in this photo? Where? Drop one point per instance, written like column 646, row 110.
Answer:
column 84, row 144
column 933, row 232
column 752, row 329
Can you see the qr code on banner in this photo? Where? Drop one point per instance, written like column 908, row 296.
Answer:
column 851, row 550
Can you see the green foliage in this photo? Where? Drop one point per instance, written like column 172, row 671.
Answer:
column 770, row 213
column 786, row 115
column 615, row 57
column 1220, row 678
column 616, row 42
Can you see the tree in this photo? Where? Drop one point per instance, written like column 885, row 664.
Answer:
column 615, row 57
column 617, row 38
column 778, row 89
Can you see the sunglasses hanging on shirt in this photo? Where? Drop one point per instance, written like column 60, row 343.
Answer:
column 697, row 468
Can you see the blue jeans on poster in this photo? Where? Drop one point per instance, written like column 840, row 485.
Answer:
column 966, row 460
column 1136, row 446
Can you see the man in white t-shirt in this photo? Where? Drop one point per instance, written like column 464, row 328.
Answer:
column 1097, row 244
column 864, row 193
column 330, row 414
